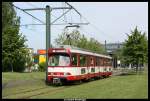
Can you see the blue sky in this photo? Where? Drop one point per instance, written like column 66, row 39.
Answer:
column 108, row 20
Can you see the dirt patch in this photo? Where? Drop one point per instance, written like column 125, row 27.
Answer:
column 15, row 83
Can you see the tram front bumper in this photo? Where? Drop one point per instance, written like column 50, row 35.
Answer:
column 56, row 81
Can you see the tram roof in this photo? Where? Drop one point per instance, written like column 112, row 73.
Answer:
column 83, row 51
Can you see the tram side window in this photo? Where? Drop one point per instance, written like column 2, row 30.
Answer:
column 101, row 61
column 97, row 61
column 92, row 62
column 110, row 62
column 104, row 62
column 82, row 60
column 74, row 59
column 105, row 69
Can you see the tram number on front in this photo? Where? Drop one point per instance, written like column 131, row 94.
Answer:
column 82, row 70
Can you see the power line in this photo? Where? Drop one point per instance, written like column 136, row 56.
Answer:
column 37, row 7
column 88, row 21
column 73, row 8
column 28, row 13
column 31, row 5
column 86, row 32
column 54, row 24
column 97, row 28
column 61, row 16
column 52, row 15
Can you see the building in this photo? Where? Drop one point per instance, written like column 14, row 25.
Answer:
column 111, row 48
column 42, row 55
column 30, row 60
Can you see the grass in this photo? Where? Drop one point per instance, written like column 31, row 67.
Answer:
column 9, row 76
column 124, row 87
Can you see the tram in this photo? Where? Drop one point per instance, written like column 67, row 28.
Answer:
column 68, row 63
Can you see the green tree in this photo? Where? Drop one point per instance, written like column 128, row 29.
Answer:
column 42, row 66
column 8, row 15
column 135, row 50
column 69, row 38
column 76, row 39
column 13, row 43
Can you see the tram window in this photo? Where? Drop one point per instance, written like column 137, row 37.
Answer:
column 97, row 61
column 82, row 60
column 59, row 60
column 105, row 69
column 92, row 61
column 110, row 62
column 101, row 61
column 74, row 59
column 104, row 62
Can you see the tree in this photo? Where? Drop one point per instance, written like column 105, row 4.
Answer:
column 42, row 66
column 8, row 15
column 76, row 39
column 135, row 48
column 13, row 43
column 69, row 38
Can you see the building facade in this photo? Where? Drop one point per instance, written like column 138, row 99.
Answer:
column 111, row 48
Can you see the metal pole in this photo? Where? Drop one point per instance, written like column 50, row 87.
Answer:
column 47, row 37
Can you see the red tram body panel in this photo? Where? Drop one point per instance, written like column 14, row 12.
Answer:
column 74, row 64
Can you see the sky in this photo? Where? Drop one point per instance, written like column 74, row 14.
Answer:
column 108, row 21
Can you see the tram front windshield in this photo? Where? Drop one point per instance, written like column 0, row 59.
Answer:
column 58, row 59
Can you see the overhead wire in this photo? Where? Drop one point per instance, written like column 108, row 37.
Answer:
column 37, row 7
column 39, row 20
column 28, row 13
column 90, row 23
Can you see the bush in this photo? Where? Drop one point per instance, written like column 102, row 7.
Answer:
column 42, row 66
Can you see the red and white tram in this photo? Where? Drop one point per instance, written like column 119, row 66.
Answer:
column 73, row 64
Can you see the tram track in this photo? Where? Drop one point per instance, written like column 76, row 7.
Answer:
column 24, row 92
column 49, row 91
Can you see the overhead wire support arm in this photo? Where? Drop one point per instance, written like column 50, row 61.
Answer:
column 28, row 13
column 33, row 9
column 73, row 8
column 57, row 8
column 61, row 16
column 54, row 8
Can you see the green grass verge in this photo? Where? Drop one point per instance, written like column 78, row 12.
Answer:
column 124, row 87
column 13, row 76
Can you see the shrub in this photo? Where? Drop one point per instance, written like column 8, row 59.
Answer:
column 42, row 66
